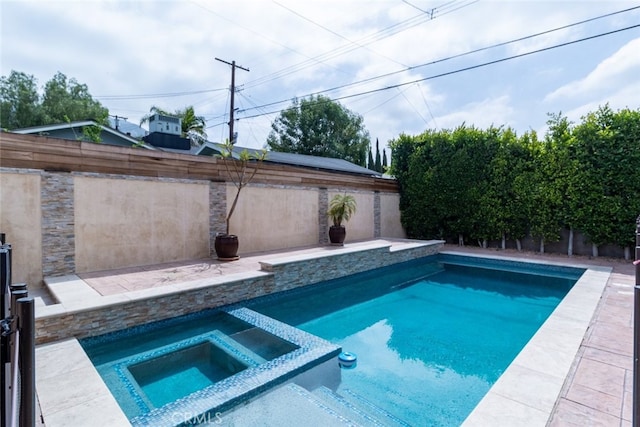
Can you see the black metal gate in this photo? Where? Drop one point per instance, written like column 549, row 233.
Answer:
column 17, row 349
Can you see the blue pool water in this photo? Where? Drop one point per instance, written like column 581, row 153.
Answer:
column 432, row 335
column 149, row 366
column 429, row 348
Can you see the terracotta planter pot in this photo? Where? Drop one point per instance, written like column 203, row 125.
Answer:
column 337, row 234
column 226, row 246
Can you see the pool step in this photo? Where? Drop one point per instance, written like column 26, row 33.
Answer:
column 345, row 407
column 425, row 272
column 293, row 405
column 287, row 405
column 235, row 348
column 356, row 408
column 387, row 418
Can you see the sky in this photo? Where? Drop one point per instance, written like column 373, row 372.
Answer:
column 405, row 66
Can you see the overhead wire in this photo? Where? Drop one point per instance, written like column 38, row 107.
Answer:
column 156, row 95
column 407, row 23
column 413, row 106
column 336, row 33
column 262, row 36
column 366, row 40
column 472, row 67
column 424, row 98
column 448, row 58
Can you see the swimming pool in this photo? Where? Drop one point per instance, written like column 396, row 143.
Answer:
column 431, row 337
column 445, row 309
column 167, row 372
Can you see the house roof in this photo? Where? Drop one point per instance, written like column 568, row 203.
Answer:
column 36, row 130
column 302, row 160
column 128, row 128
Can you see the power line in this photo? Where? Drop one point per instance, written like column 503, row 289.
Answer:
column 427, row 104
column 460, row 70
column 335, row 33
column 366, row 40
column 370, row 79
column 156, row 95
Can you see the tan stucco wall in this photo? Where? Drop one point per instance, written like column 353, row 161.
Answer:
column 361, row 225
column 120, row 223
column 274, row 218
column 20, row 215
column 390, row 225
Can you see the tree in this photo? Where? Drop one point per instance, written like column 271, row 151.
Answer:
column 238, row 170
column 370, row 164
column 607, row 154
column 378, row 167
column 19, row 101
column 384, row 160
column 67, row 100
column 63, row 100
column 193, row 126
column 565, row 175
column 321, row 127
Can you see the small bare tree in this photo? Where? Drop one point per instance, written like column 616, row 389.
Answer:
column 237, row 166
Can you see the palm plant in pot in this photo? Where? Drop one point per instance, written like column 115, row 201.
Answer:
column 341, row 209
column 238, row 171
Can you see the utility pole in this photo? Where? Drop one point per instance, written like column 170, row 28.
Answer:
column 117, row 117
column 233, row 91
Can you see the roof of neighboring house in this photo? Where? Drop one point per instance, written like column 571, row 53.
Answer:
column 128, row 128
column 49, row 129
column 302, row 160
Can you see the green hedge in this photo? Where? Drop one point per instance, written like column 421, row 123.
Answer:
column 484, row 185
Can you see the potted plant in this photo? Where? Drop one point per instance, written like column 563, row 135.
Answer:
column 341, row 208
column 237, row 166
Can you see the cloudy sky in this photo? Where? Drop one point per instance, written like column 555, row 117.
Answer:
column 403, row 65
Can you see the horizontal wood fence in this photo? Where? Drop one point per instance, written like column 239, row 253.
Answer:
column 59, row 155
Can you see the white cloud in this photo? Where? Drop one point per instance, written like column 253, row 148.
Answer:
column 494, row 111
column 625, row 97
column 615, row 71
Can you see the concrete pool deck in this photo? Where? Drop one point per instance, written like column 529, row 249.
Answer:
column 596, row 391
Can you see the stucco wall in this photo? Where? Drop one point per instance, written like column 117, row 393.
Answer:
column 62, row 223
column 128, row 222
column 390, row 225
column 269, row 218
column 361, row 225
column 20, row 215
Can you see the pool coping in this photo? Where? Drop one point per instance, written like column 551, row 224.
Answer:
column 546, row 360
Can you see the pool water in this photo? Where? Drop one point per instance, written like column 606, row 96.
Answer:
column 171, row 376
column 150, row 366
column 431, row 337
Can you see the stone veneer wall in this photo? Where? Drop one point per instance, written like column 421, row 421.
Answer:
column 278, row 276
column 293, row 274
column 109, row 318
column 377, row 215
column 217, row 212
column 323, row 207
column 58, row 224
